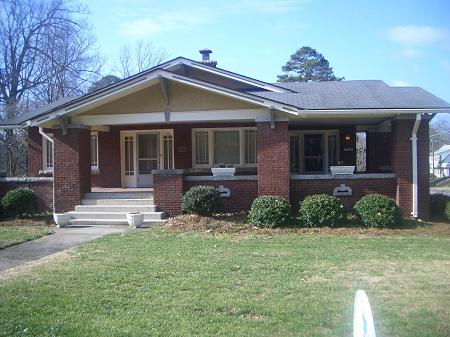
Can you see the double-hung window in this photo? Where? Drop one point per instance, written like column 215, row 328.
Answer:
column 224, row 146
column 313, row 152
column 47, row 154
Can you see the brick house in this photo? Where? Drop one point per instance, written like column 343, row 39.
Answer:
column 162, row 130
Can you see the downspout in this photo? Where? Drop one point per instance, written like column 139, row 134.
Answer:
column 415, row 189
column 43, row 134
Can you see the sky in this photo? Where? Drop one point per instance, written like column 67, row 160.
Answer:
column 404, row 43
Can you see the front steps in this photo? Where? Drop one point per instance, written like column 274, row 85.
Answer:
column 111, row 208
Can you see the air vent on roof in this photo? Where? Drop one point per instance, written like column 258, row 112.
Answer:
column 205, row 57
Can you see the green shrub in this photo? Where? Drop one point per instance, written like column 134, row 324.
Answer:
column 438, row 203
column 269, row 211
column 376, row 210
column 447, row 210
column 20, row 201
column 202, row 200
column 321, row 210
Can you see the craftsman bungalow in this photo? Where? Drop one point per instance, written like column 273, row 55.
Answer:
column 166, row 127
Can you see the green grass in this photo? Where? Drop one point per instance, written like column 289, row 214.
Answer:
column 159, row 283
column 11, row 235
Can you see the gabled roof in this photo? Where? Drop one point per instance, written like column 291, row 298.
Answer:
column 287, row 97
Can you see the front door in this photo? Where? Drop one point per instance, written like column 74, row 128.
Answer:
column 147, row 158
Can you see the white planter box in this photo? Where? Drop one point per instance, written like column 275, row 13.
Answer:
column 342, row 169
column 135, row 220
column 223, row 171
column 61, row 219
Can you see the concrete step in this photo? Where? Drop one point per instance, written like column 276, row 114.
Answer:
column 113, row 215
column 115, row 208
column 118, row 195
column 119, row 202
column 93, row 222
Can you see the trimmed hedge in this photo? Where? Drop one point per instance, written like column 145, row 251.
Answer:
column 447, row 210
column 269, row 211
column 321, row 210
column 438, row 203
column 202, row 200
column 376, row 210
column 19, row 202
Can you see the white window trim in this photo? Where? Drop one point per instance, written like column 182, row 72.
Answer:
column 211, row 146
column 95, row 168
column 45, row 168
column 325, row 134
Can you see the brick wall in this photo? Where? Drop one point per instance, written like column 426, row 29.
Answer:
column 72, row 169
column 108, row 160
column 423, row 169
column 34, row 152
column 360, row 187
column 42, row 187
column 243, row 192
column 168, row 191
column 272, row 149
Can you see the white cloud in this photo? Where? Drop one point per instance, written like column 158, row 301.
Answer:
column 400, row 83
column 148, row 22
column 417, row 35
column 410, row 52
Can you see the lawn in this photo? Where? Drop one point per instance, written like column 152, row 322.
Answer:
column 12, row 232
column 160, row 282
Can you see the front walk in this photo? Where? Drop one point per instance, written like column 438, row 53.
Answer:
column 62, row 239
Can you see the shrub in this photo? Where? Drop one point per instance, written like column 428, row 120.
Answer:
column 376, row 210
column 202, row 200
column 269, row 211
column 20, row 201
column 321, row 210
column 438, row 204
column 447, row 210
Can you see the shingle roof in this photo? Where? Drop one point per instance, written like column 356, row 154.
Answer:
column 354, row 95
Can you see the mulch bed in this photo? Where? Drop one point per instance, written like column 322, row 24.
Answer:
column 236, row 224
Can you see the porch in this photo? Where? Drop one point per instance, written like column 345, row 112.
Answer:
column 284, row 158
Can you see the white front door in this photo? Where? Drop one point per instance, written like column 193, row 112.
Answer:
column 142, row 152
column 147, row 158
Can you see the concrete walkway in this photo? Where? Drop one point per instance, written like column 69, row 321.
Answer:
column 62, row 239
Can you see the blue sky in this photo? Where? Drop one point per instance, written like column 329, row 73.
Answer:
column 399, row 42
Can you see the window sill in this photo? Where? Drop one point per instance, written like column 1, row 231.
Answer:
column 46, row 172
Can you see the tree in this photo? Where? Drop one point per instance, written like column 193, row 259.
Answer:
column 43, row 48
column 103, row 82
column 305, row 65
column 134, row 59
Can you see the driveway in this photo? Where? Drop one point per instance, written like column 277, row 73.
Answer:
column 62, row 239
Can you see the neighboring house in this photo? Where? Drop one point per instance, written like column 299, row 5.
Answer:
column 167, row 127
column 440, row 162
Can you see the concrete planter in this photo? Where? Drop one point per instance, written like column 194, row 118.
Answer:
column 223, row 171
column 61, row 219
column 135, row 220
column 342, row 169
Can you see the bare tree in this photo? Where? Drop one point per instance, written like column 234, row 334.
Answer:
column 134, row 59
column 42, row 42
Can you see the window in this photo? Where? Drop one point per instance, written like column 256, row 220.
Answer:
column 47, row 154
column 129, row 155
column 313, row 152
column 228, row 146
column 361, row 151
column 168, row 153
column 94, row 150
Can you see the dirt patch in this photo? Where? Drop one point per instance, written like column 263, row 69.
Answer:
column 44, row 220
column 236, row 223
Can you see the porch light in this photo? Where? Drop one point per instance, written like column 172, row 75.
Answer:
column 348, row 137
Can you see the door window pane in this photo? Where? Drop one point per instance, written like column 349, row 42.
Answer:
column 250, row 146
column 313, row 152
column 129, row 156
column 332, row 151
column 94, row 147
column 168, row 153
column 147, row 165
column 201, row 148
column 226, row 147
column 147, row 153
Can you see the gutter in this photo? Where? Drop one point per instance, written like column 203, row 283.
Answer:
column 415, row 189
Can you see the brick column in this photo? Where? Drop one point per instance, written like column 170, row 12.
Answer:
column 401, row 161
column 272, row 149
column 72, row 168
column 34, row 152
column 168, row 190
